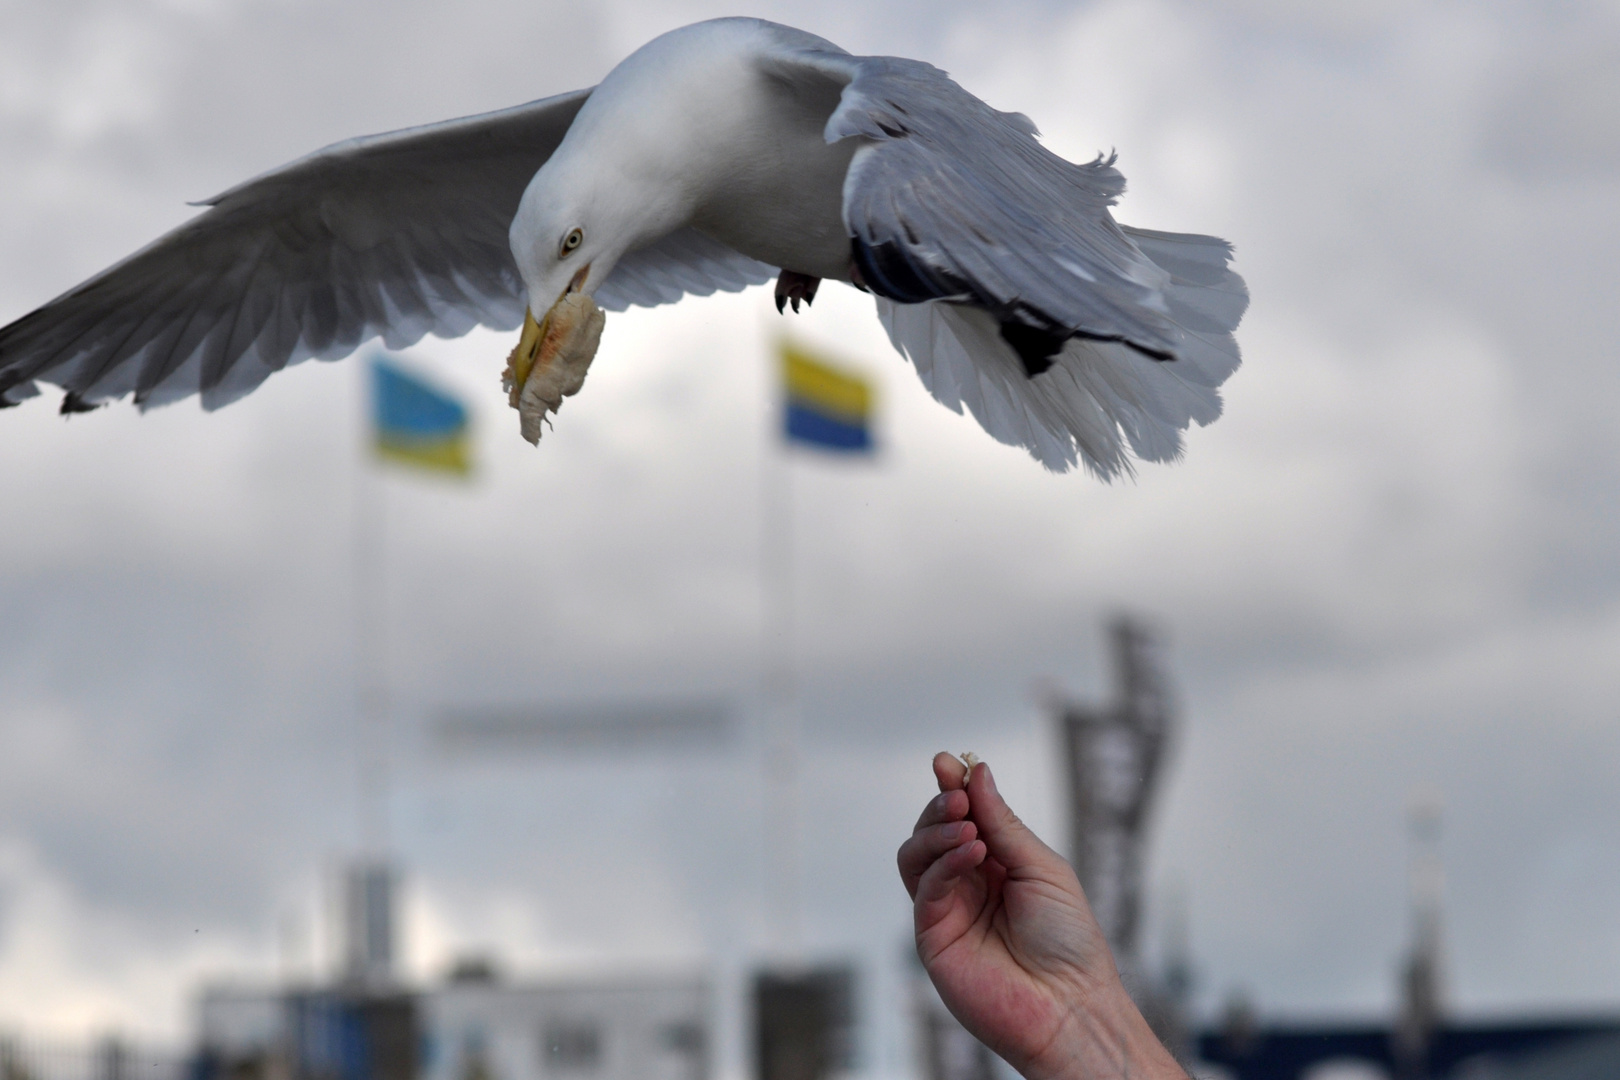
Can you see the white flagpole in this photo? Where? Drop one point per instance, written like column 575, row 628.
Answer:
column 780, row 772
column 371, row 644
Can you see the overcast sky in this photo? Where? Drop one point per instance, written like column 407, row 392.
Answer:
column 1390, row 566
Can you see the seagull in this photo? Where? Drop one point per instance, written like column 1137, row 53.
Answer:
column 716, row 157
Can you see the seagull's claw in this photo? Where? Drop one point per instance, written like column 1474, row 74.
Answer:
column 792, row 286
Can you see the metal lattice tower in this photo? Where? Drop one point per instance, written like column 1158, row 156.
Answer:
column 1114, row 756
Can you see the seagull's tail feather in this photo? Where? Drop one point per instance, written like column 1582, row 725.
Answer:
column 1100, row 402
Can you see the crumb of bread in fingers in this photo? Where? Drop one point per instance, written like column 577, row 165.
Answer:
column 970, row 759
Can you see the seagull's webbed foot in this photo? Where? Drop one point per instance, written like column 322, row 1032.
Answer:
column 792, row 286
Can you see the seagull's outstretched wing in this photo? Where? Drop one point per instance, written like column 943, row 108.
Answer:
column 685, row 261
column 1003, row 276
column 396, row 235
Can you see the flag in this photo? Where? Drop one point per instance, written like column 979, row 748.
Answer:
column 825, row 405
column 416, row 424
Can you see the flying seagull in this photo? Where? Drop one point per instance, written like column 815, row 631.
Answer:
column 717, row 156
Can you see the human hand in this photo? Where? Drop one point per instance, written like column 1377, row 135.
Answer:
column 1008, row 939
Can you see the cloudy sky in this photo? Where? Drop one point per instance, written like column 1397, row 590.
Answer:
column 1388, row 568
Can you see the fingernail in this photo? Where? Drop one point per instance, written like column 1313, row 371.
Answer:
column 951, row 832
column 989, row 780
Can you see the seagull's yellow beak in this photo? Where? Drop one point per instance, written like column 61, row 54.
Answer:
column 552, row 356
column 533, row 338
column 521, row 362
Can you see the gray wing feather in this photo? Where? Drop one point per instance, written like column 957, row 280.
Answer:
column 1099, row 398
column 395, row 235
column 686, row 261
column 1204, row 298
column 973, row 206
column 976, row 224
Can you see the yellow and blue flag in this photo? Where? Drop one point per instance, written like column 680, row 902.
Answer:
column 417, row 424
column 825, row 405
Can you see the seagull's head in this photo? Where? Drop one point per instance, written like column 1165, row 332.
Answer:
column 579, row 215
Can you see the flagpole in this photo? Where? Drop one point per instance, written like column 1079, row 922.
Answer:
column 816, row 404
column 371, row 651
column 780, row 759
column 412, row 423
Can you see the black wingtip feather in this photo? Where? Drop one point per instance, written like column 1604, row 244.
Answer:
column 73, row 403
column 1036, row 348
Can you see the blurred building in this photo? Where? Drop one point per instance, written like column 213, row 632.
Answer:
column 108, row 1058
column 472, row 1027
column 1559, row 1048
column 476, row 1027
column 366, row 1025
column 1595, row 1057
column 1422, row 1041
column 804, row 1023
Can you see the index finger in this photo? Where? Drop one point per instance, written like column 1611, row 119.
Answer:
column 950, row 772
column 944, row 807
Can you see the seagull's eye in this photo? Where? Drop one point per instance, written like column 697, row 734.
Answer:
column 574, row 238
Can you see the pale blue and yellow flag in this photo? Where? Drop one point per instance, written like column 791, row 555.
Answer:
column 825, row 405
column 417, row 424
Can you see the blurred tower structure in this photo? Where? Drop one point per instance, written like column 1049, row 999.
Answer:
column 1114, row 756
column 1421, row 996
column 368, row 924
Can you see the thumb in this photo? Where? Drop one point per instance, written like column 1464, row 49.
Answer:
column 1009, row 840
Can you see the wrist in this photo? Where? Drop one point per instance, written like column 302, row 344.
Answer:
column 1106, row 1038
